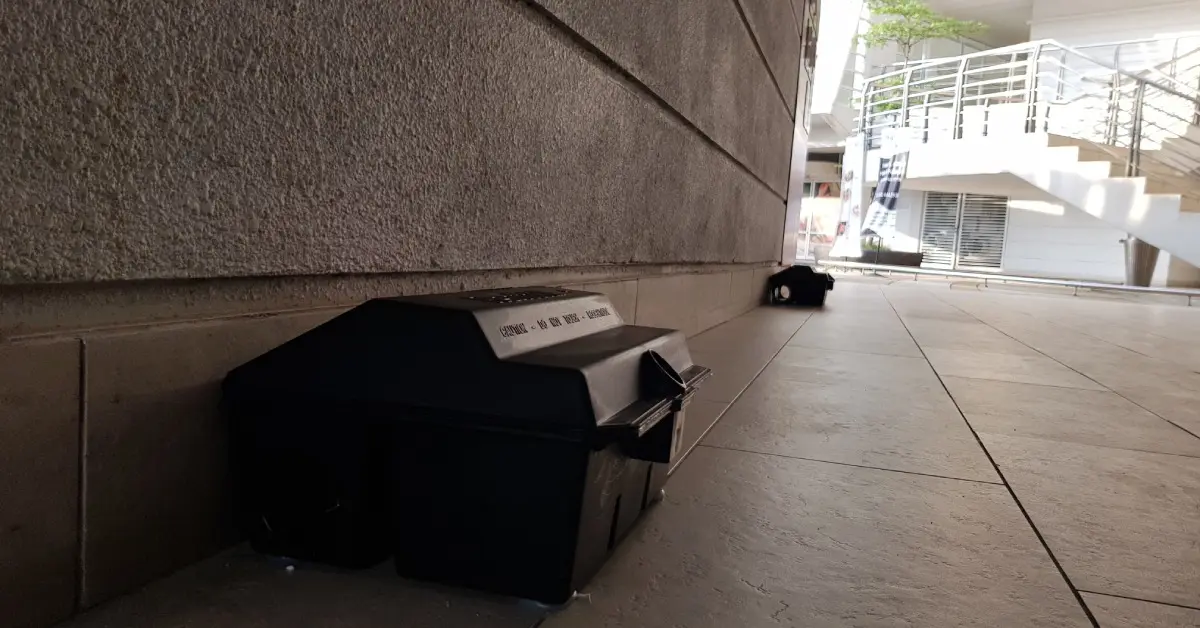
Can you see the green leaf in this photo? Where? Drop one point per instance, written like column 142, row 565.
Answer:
column 907, row 23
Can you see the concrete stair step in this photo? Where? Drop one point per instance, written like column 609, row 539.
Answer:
column 1165, row 161
column 1162, row 206
column 1183, row 146
column 1151, row 163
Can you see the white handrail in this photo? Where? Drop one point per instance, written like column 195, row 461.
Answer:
column 987, row 277
column 1115, row 45
column 1035, row 47
column 1121, row 111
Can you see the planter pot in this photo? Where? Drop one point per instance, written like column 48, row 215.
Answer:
column 889, row 258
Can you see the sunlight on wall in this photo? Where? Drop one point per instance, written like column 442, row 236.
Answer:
column 1041, row 207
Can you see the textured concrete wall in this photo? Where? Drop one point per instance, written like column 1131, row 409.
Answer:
column 149, row 139
column 184, row 185
column 702, row 60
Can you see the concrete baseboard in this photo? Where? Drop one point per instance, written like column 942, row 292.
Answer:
column 110, row 428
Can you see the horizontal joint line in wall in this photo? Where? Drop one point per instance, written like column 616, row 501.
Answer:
column 611, row 65
column 763, row 55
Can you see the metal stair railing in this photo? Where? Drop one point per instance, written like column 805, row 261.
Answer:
column 1171, row 61
column 1037, row 87
column 998, row 278
column 1174, row 62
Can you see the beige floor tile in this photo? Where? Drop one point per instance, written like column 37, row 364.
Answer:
column 1115, row 612
column 701, row 415
column 759, row 350
column 884, row 336
column 1160, row 386
column 854, row 421
column 764, row 329
column 752, row 540
column 1180, row 406
column 239, row 589
column 975, row 336
column 1120, row 522
column 731, row 375
column 1027, row 369
column 1184, row 352
column 1089, row 417
column 829, row 366
column 857, row 308
column 859, row 344
column 921, row 308
column 1163, row 388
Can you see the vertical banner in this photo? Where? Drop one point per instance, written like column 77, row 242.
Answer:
column 848, row 242
column 881, row 215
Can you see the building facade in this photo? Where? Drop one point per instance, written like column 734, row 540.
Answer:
column 1039, row 64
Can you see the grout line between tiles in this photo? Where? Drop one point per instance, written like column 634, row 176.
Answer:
column 1024, row 513
column 721, row 414
column 1101, row 339
column 1141, row 599
column 886, row 355
column 1071, row 442
column 1009, row 381
column 850, row 464
column 1067, row 366
column 1084, row 332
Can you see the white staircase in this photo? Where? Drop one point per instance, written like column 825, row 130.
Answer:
column 1018, row 122
column 1040, row 166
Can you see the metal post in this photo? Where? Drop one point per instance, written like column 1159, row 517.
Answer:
column 956, row 116
column 1031, row 85
column 1174, row 58
column 1114, row 106
column 1196, row 112
column 1060, row 91
column 1114, row 111
column 861, row 181
column 863, row 109
column 1133, row 164
column 1062, row 76
column 925, row 122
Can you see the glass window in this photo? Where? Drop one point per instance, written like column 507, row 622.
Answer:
column 829, row 190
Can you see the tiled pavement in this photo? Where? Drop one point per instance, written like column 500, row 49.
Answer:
column 911, row 455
